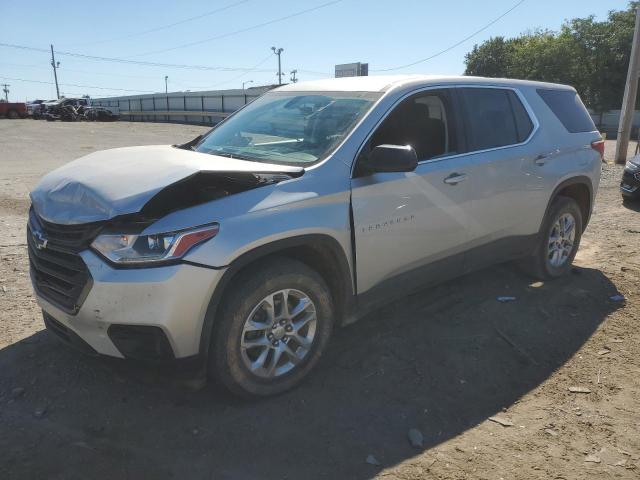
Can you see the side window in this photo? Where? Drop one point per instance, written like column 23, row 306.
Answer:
column 567, row 106
column 489, row 116
column 524, row 125
column 424, row 121
column 495, row 118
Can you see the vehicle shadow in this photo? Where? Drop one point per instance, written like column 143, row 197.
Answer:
column 441, row 360
column 634, row 206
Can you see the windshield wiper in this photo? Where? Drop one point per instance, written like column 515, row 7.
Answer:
column 220, row 153
column 190, row 144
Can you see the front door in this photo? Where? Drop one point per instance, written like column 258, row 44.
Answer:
column 412, row 227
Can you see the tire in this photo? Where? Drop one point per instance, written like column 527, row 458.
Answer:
column 12, row 114
column 230, row 362
column 541, row 263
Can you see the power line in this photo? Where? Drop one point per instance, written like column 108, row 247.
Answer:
column 454, row 45
column 242, row 30
column 268, row 57
column 313, row 72
column 24, row 65
column 244, row 71
column 164, row 27
column 75, row 85
column 106, row 74
column 130, row 62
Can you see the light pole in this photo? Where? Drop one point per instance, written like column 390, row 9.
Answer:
column 293, row 76
column 278, row 52
column 6, row 91
column 166, row 87
column 55, row 66
column 629, row 99
column 244, row 83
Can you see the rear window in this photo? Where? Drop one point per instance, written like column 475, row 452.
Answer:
column 567, row 106
column 496, row 118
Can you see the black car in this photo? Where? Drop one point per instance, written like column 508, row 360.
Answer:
column 630, row 185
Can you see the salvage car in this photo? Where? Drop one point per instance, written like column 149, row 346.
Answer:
column 34, row 106
column 65, row 109
column 242, row 250
column 38, row 113
column 13, row 110
column 99, row 114
column 630, row 184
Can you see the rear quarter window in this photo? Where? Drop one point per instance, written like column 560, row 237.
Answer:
column 524, row 125
column 569, row 109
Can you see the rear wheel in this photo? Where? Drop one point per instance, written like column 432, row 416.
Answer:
column 12, row 114
column 273, row 329
column 558, row 242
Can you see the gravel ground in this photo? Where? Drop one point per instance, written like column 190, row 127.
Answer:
column 486, row 384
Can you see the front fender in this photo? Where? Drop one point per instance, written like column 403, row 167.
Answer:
column 315, row 204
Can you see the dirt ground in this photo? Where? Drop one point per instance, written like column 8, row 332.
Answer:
column 443, row 361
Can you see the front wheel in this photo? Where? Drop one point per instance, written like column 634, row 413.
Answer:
column 558, row 241
column 273, row 329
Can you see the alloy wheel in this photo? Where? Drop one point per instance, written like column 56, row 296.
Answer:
column 278, row 333
column 561, row 240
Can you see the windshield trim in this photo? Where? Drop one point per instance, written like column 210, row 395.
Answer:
column 374, row 97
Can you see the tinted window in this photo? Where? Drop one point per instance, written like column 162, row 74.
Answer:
column 423, row 121
column 524, row 125
column 491, row 119
column 567, row 106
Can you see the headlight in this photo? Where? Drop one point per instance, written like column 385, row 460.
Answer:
column 135, row 249
column 632, row 166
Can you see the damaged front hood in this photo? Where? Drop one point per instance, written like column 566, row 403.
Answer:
column 121, row 181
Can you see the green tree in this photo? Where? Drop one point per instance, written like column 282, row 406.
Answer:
column 590, row 55
column 491, row 59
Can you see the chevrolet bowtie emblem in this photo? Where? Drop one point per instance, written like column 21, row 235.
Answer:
column 39, row 240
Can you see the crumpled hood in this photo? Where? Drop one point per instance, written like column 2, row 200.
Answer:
column 121, row 181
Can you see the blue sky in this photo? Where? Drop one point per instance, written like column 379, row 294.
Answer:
column 384, row 34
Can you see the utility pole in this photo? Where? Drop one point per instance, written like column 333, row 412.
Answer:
column 244, row 83
column 293, row 76
column 55, row 66
column 166, row 84
column 278, row 52
column 5, row 89
column 629, row 99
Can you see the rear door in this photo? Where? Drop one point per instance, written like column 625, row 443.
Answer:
column 412, row 227
column 498, row 128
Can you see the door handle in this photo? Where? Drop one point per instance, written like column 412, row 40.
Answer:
column 541, row 159
column 455, row 178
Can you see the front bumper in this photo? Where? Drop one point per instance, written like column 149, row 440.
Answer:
column 171, row 300
column 630, row 184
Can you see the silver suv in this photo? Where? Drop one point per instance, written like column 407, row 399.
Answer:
column 242, row 249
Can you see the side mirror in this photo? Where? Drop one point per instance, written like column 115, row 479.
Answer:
column 391, row 158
